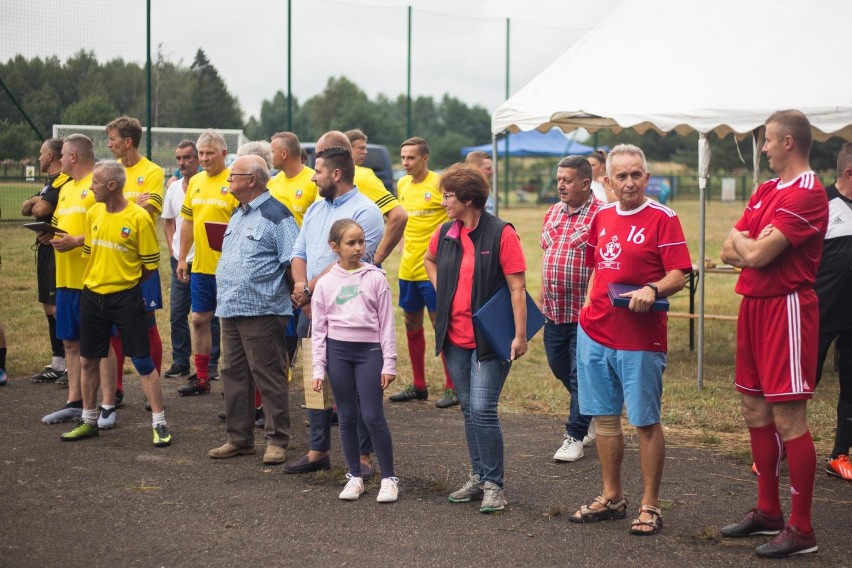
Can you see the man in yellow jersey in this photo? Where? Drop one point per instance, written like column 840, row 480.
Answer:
column 122, row 250
column 207, row 200
column 75, row 199
column 372, row 187
column 420, row 196
column 41, row 206
column 292, row 186
column 143, row 186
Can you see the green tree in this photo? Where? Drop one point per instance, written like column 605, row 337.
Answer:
column 212, row 106
column 94, row 109
column 17, row 141
column 273, row 118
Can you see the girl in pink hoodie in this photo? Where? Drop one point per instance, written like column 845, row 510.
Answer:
column 354, row 341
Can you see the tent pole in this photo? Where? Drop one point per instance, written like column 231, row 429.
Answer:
column 703, row 170
column 493, row 179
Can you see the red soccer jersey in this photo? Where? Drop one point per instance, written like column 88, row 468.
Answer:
column 799, row 209
column 631, row 247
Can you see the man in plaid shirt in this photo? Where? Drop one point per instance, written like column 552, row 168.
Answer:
column 564, row 278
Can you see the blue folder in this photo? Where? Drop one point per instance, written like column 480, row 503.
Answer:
column 496, row 320
column 615, row 290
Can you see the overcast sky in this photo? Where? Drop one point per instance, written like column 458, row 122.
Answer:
column 458, row 46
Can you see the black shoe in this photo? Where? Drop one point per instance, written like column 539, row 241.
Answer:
column 222, row 416
column 410, row 393
column 366, row 471
column 213, row 373
column 305, row 466
column 176, row 371
column 119, row 398
column 259, row 418
column 788, row 543
column 449, row 399
column 47, row 375
column 62, row 380
column 754, row 523
column 194, row 386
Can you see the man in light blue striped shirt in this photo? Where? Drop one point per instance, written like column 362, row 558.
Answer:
column 253, row 303
column 312, row 255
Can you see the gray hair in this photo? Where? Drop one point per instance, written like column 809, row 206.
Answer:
column 114, row 171
column 625, row 149
column 212, row 138
column 290, row 141
column 260, row 148
column 256, row 166
column 579, row 164
column 83, row 147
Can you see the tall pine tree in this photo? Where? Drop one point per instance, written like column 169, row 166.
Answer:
column 211, row 105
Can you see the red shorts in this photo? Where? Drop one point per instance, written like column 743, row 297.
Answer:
column 777, row 343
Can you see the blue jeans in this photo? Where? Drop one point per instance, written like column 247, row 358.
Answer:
column 478, row 384
column 180, row 301
column 560, row 344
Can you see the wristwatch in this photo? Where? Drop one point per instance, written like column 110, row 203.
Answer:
column 654, row 288
column 307, row 290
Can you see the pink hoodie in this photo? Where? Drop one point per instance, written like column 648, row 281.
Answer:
column 353, row 306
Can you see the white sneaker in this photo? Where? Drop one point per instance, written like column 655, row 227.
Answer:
column 571, row 450
column 389, row 492
column 589, row 438
column 108, row 418
column 353, row 488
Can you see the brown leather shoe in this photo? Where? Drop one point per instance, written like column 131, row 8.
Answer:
column 229, row 450
column 274, row 455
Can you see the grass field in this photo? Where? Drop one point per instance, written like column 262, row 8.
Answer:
column 709, row 416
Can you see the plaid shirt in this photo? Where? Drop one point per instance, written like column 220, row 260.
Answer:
column 564, row 274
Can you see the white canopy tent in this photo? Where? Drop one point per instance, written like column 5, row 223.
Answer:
column 720, row 67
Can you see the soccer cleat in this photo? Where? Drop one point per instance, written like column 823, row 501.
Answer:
column 494, row 498
column 108, row 418
column 162, row 436
column 389, row 492
column 450, row 398
column 119, row 398
column 754, row 523
column 839, row 467
column 571, row 450
column 410, row 393
column 62, row 380
column 194, row 387
column 3, row 377
column 472, row 489
column 789, row 542
column 81, row 432
column 67, row 413
column 47, row 375
column 354, row 488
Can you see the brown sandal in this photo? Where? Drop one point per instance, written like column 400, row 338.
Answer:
column 611, row 510
column 655, row 522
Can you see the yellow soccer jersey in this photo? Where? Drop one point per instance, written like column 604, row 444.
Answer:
column 296, row 193
column 422, row 202
column 207, row 199
column 75, row 199
column 145, row 177
column 117, row 246
column 372, row 187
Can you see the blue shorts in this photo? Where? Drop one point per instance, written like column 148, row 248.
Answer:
column 202, row 288
column 68, row 314
column 608, row 379
column 414, row 296
column 152, row 293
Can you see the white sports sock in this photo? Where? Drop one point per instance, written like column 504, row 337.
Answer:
column 90, row 416
column 58, row 364
column 158, row 418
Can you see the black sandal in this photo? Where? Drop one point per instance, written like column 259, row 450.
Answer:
column 611, row 510
column 655, row 522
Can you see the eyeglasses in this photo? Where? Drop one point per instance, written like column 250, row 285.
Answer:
column 446, row 196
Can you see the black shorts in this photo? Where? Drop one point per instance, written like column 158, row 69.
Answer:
column 46, row 274
column 125, row 310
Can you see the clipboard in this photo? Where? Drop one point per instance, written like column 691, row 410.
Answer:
column 42, row 227
column 215, row 234
column 615, row 290
column 496, row 320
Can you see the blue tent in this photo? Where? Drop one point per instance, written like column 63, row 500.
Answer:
column 534, row 143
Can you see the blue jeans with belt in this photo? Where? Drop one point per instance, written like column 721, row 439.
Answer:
column 179, row 307
column 479, row 384
column 560, row 345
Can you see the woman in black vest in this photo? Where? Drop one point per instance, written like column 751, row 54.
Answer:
column 470, row 258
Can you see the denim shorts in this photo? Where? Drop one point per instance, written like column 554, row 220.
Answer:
column 609, row 379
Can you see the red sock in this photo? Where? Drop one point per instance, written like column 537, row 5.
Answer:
column 801, row 462
column 258, row 400
column 202, row 367
column 448, row 382
column 766, row 451
column 115, row 343
column 156, row 345
column 417, row 353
